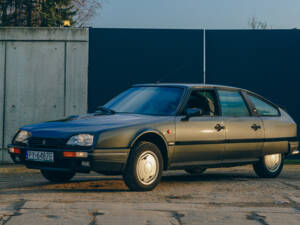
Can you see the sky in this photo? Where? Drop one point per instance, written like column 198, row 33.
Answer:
column 197, row 14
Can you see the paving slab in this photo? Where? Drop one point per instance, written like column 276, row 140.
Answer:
column 219, row 196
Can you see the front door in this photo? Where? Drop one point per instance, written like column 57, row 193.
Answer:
column 200, row 139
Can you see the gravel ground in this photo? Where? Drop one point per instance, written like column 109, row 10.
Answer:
column 219, row 196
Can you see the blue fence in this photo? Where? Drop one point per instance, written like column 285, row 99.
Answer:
column 119, row 58
column 264, row 61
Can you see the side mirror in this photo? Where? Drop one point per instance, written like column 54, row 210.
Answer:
column 191, row 112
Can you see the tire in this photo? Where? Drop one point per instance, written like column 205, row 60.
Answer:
column 270, row 166
column 57, row 176
column 144, row 167
column 195, row 171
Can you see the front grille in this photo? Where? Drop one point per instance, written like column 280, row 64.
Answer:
column 36, row 142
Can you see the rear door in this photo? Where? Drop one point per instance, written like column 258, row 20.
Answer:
column 244, row 131
column 277, row 129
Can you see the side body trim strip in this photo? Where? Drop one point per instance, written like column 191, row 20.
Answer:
column 236, row 141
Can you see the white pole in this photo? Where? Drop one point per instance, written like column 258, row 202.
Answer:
column 204, row 57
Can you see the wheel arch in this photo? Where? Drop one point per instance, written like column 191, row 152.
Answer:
column 156, row 138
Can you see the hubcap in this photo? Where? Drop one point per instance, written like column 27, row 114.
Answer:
column 147, row 168
column 273, row 162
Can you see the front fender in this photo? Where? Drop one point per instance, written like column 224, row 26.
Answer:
column 142, row 132
column 125, row 137
column 115, row 138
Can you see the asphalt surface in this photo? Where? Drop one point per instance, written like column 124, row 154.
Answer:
column 219, row 196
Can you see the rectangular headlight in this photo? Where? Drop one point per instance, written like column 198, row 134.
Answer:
column 23, row 136
column 81, row 140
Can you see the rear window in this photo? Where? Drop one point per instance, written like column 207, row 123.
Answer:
column 263, row 108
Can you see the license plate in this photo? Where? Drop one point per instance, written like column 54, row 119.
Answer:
column 40, row 156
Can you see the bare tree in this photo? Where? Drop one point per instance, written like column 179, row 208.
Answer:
column 86, row 9
column 255, row 24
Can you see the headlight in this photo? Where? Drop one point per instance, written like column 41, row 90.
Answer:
column 81, row 140
column 23, row 136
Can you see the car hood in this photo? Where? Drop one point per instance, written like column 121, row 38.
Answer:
column 88, row 123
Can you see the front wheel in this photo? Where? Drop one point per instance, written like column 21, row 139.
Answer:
column 57, row 176
column 269, row 166
column 144, row 167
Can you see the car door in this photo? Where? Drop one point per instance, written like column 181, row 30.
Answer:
column 244, row 131
column 276, row 128
column 200, row 139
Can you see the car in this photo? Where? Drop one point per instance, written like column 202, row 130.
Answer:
column 151, row 128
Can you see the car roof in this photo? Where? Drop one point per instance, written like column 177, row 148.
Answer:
column 199, row 85
column 190, row 85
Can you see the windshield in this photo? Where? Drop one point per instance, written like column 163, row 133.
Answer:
column 147, row 100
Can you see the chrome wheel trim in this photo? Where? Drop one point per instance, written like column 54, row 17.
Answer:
column 147, row 167
column 272, row 162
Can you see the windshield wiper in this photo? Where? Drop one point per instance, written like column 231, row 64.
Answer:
column 105, row 109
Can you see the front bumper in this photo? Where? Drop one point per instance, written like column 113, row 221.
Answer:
column 99, row 160
column 109, row 160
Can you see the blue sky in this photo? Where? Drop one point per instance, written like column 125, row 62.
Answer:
column 193, row 14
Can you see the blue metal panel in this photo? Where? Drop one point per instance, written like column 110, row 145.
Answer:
column 264, row 61
column 119, row 58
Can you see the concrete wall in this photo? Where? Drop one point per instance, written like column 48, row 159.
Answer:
column 43, row 76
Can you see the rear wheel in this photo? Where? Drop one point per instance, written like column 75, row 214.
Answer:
column 144, row 167
column 57, row 176
column 195, row 171
column 269, row 166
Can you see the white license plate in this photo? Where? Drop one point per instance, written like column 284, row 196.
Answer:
column 40, row 156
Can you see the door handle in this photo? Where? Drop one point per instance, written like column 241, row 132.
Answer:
column 255, row 127
column 219, row 127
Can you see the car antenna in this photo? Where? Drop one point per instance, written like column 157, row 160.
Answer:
column 166, row 75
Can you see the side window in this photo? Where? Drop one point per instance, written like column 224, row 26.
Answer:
column 263, row 108
column 232, row 104
column 205, row 100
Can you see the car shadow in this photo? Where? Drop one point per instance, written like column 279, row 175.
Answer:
column 103, row 184
column 96, row 184
column 211, row 177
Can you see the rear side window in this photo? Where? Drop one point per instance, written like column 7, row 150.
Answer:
column 263, row 108
column 233, row 104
